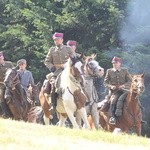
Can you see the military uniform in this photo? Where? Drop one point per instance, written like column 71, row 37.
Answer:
column 57, row 56
column 116, row 96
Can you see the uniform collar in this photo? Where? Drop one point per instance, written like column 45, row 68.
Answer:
column 61, row 46
column 22, row 71
column 114, row 69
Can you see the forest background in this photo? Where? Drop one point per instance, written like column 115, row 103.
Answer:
column 105, row 27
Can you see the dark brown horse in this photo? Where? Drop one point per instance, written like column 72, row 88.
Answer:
column 131, row 117
column 16, row 98
column 33, row 94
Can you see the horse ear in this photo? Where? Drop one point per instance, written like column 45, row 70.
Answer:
column 83, row 56
column 143, row 75
column 93, row 55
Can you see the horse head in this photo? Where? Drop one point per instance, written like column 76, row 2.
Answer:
column 34, row 91
column 137, row 84
column 76, row 68
column 92, row 67
column 12, row 78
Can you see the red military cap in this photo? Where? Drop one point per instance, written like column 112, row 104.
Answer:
column 116, row 59
column 58, row 35
column 72, row 43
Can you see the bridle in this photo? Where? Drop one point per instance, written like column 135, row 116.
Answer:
column 15, row 80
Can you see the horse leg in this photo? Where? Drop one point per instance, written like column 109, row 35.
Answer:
column 78, row 120
column 102, row 121
column 95, row 116
column 138, row 129
column 17, row 113
column 46, row 120
column 62, row 119
column 70, row 114
column 83, row 115
column 90, row 120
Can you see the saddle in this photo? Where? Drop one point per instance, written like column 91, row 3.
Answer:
column 104, row 105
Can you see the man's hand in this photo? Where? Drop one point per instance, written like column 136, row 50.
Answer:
column 113, row 87
column 52, row 69
column 121, row 87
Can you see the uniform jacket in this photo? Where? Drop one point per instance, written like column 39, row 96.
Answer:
column 3, row 68
column 57, row 56
column 116, row 78
column 26, row 78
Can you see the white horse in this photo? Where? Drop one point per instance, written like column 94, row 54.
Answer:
column 73, row 98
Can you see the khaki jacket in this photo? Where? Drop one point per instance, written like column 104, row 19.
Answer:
column 57, row 56
column 117, row 78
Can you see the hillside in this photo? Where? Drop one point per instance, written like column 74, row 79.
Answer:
column 20, row 135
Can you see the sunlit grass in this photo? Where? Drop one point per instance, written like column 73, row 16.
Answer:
column 20, row 135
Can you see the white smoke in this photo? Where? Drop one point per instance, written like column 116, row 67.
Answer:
column 136, row 28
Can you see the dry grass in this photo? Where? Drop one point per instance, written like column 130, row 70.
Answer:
column 20, row 135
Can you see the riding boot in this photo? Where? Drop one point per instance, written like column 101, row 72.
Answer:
column 112, row 119
column 119, row 105
column 5, row 110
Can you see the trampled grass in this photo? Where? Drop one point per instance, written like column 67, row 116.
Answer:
column 26, row 136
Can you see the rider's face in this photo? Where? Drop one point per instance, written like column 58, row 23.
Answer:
column 58, row 41
column 117, row 65
column 23, row 66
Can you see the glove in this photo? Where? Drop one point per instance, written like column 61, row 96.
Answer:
column 52, row 69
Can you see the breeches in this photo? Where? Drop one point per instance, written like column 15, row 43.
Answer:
column 114, row 97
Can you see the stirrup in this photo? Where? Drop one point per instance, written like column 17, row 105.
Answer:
column 112, row 121
column 143, row 122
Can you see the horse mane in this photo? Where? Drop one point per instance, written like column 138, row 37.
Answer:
column 66, row 72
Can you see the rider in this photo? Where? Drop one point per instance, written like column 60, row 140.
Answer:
column 73, row 45
column 4, row 65
column 26, row 76
column 118, row 81
column 56, row 58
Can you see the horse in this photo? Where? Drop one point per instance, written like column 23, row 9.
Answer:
column 92, row 70
column 33, row 94
column 17, row 100
column 45, row 103
column 72, row 99
column 132, row 116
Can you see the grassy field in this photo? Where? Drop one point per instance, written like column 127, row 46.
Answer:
column 26, row 136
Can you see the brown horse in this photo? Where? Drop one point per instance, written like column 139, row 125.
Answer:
column 45, row 104
column 33, row 94
column 131, row 117
column 16, row 97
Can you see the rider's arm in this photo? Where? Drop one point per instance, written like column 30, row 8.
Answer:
column 49, row 59
column 31, row 80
